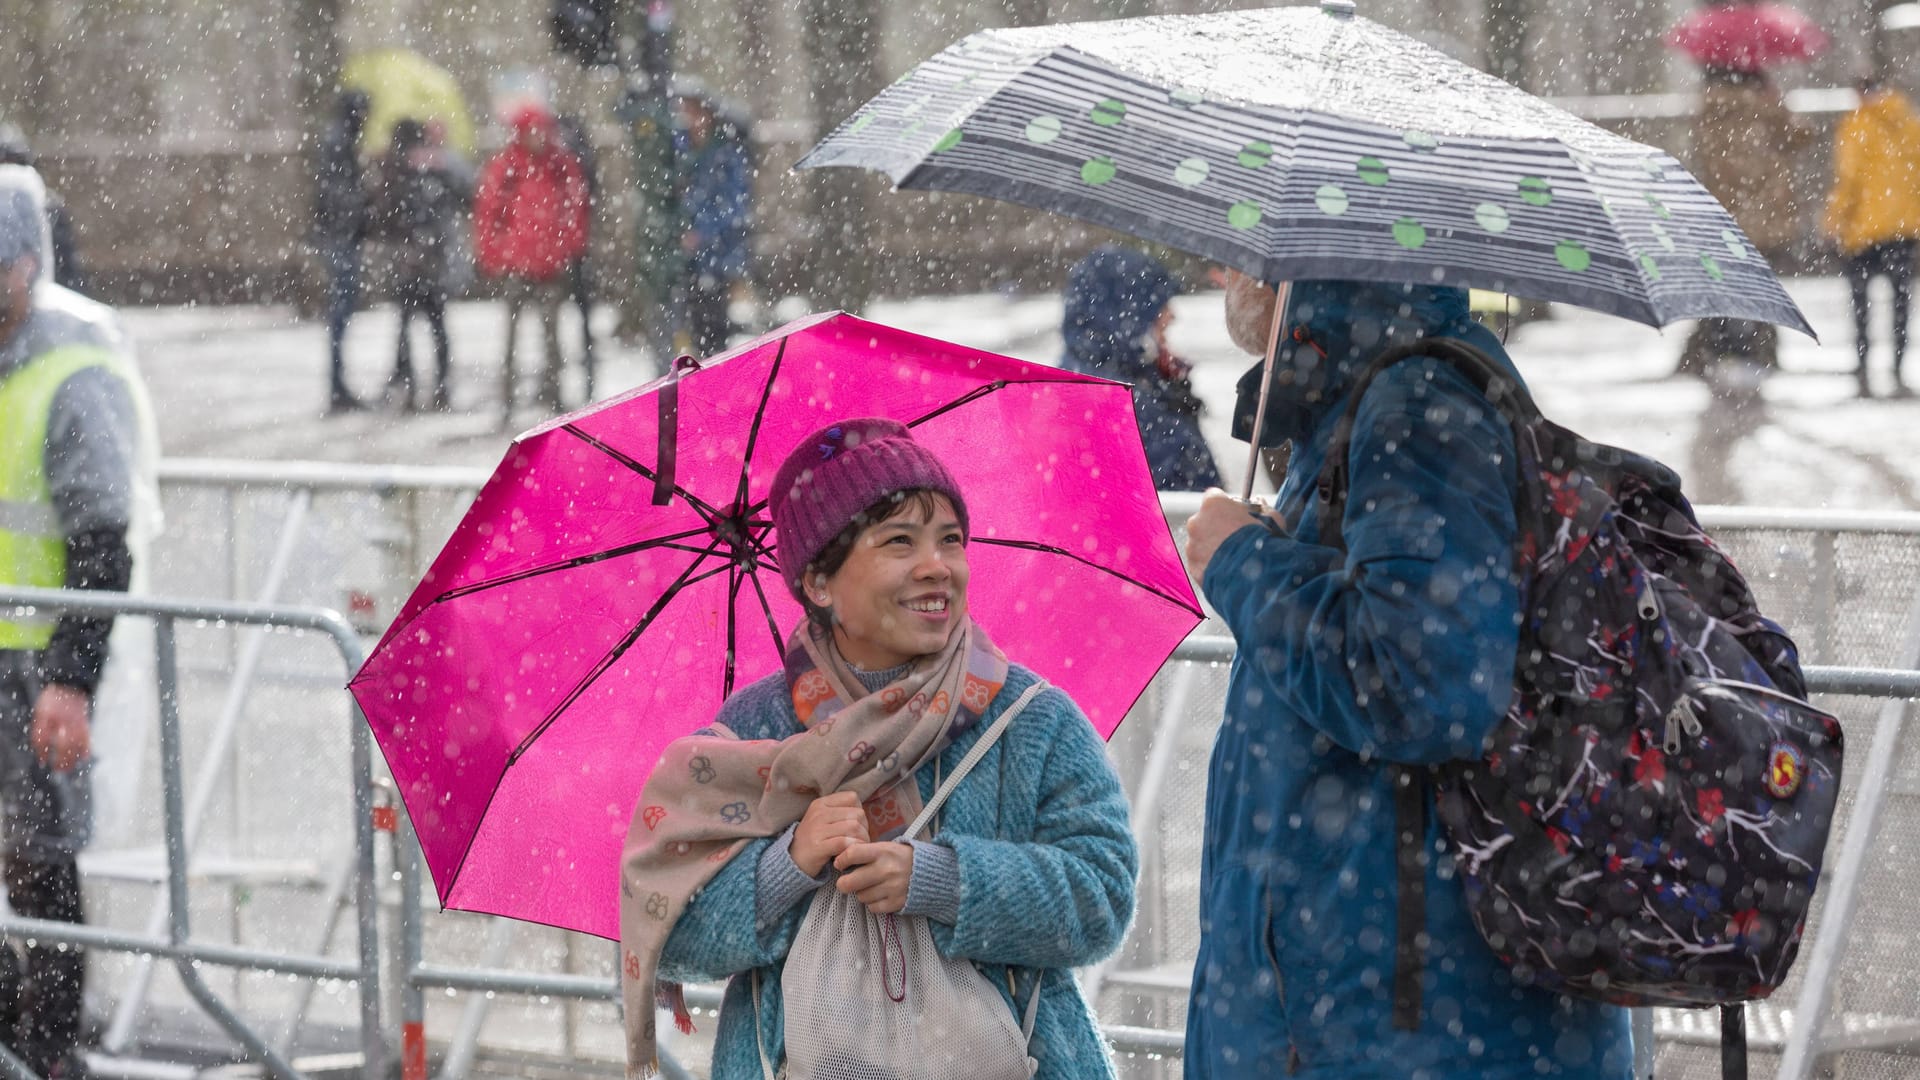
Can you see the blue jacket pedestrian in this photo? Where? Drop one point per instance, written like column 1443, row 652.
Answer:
column 1115, row 327
column 1399, row 649
column 718, row 197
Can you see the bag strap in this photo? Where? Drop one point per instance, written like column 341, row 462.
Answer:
column 974, row 754
column 760, row 1043
column 1733, row 1041
column 1410, row 858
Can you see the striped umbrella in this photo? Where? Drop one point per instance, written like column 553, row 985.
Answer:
column 1300, row 143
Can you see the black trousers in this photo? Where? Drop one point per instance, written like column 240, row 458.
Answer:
column 428, row 301
column 51, row 982
column 707, row 322
column 1892, row 260
column 42, row 831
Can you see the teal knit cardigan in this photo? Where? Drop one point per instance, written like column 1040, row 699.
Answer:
column 1047, row 873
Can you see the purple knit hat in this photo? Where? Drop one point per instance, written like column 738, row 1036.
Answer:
column 839, row 471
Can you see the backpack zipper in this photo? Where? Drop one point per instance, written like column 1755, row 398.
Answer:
column 1681, row 717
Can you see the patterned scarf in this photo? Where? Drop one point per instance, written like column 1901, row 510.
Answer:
column 712, row 793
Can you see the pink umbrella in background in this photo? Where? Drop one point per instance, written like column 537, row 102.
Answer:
column 615, row 579
column 1747, row 36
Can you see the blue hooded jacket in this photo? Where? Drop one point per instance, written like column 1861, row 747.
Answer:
column 1114, row 295
column 1398, row 650
column 717, row 201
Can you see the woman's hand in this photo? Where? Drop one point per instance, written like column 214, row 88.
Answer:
column 877, row 875
column 831, row 825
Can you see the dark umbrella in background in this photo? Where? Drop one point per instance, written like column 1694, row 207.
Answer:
column 1747, row 36
column 1303, row 143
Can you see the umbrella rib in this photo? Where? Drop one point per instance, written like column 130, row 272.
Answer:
column 670, row 541
column 733, row 599
column 759, row 414
column 1029, row 545
column 779, row 643
column 693, row 500
column 967, row 398
column 687, row 579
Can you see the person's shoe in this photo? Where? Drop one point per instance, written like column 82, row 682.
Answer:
column 442, row 399
column 1902, row 392
column 399, row 394
column 342, row 403
column 1864, row 392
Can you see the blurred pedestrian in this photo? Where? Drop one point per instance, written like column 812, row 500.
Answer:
column 529, row 225
column 1873, row 213
column 1115, row 326
column 67, row 272
column 717, row 174
column 73, row 424
column 579, row 141
column 1746, row 147
column 416, row 204
column 1393, row 645
column 339, row 227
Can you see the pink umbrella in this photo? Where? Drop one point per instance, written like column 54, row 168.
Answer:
column 1747, row 36
column 573, row 624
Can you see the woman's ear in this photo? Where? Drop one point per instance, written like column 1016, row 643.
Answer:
column 815, row 585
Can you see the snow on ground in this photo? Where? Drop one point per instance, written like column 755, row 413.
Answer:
column 248, row 382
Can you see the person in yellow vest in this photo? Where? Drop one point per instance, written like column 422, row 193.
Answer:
column 71, row 416
column 1873, row 212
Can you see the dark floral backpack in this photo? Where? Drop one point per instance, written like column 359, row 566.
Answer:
column 1649, row 821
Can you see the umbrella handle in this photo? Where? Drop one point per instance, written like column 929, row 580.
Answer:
column 1266, row 389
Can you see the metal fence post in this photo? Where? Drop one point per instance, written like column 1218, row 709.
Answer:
column 413, row 999
column 186, row 954
column 176, row 837
column 1830, row 938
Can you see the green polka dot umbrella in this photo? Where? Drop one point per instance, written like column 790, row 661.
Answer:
column 1305, row 142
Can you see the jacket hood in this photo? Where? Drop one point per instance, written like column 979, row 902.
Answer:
column 24, row 227
column 1113, row 297
column 531, row 118
column 1333, row 328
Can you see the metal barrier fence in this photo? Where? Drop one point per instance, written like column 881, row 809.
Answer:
column 356, row 538
column 178, row 945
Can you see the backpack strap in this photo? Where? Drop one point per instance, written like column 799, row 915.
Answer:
column 1501, row 391
column 974, row 753
column 1410, row 786
column 1410, row 922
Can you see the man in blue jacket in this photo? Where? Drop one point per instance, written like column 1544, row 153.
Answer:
column 1397, row 650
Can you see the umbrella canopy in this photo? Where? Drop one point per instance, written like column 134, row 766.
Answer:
column 572, row 627
column 1300, row 143
column 401, row 85
column 1747, row 37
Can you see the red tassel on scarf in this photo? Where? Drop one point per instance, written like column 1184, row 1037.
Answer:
column 672, row 996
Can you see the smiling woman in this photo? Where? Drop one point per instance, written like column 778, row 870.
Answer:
column 798, row 799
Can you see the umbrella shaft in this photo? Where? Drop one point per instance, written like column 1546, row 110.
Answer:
column 1266, row 388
